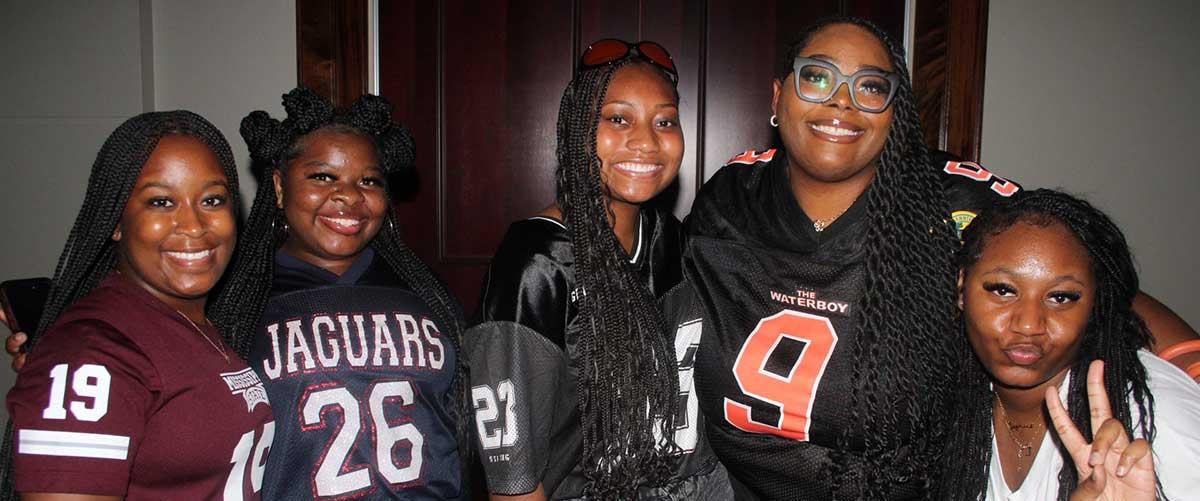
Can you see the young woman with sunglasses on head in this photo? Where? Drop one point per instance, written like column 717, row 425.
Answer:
column 575, row 383
column 129, row 391
column 1046, row 290
column 822, row 274
column 355, row 339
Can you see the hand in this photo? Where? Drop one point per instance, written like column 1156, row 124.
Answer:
column 1111, row 467
column 13, row 345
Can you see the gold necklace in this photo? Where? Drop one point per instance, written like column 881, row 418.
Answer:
column 1024, row 450
column 215, row 346
column 820, row 224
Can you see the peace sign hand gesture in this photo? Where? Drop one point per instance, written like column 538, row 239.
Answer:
column 1111, row 467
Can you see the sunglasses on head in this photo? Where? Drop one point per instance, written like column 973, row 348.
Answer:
column 612, row 50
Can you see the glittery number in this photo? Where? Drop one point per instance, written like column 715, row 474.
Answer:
column 791, row 393
column 972, row 170
column 333, row 476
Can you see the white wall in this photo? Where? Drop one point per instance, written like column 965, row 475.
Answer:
column 79, row 69
column 224, row 59
column 1100, row 97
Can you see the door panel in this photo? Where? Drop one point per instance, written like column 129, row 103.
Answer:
column 479, row 84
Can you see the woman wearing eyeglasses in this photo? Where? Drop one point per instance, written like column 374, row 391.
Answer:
column 574, row 381
column 822, row 275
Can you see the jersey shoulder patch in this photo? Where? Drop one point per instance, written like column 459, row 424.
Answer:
column 750, row 157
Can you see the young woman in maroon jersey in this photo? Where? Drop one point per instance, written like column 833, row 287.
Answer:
column 826, row 283
column 573, row 375
column 129, row 390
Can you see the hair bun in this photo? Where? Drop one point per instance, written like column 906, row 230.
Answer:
column 396, row 148
column 371, row 114
column 306, row 111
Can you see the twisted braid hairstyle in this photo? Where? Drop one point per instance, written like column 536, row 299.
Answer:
column 906, row 314
column 273, row 144
column 90, row 252
column 628, row 384
column 1114, row 333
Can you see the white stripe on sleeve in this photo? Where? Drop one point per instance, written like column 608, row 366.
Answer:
column 72, row 444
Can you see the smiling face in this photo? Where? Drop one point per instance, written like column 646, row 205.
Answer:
column 639, row 140
column 1027, row 301
column 334, row 198
column 834, row 141
column 178, row 230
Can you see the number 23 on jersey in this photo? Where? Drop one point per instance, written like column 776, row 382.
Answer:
column 765, row 372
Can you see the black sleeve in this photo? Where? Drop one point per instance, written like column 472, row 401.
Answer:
column 970, row 188
column 524, row 407
column 527, row 283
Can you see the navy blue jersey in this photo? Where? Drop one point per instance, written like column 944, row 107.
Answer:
column 360, row 375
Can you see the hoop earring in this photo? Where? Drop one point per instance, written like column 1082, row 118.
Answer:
column 280, row 232
column 391, row 225
column 774, row 121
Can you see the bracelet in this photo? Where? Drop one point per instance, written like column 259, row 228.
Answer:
column 1178, row 349
column 1194, row 370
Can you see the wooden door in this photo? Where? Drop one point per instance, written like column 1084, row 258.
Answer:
column 479, row 84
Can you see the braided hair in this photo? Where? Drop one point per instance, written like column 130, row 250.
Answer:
column 90, row 252
column 628, row 385
column 900, row 395
column 1114, row 333
column 273, row 144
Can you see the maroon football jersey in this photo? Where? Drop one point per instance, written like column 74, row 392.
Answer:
column 123, row 397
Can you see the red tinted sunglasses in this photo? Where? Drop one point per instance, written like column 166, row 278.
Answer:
column 612, row 50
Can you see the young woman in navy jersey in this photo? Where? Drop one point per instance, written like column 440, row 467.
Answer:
column 1046, row 290
column 576, row 383
column 355, row 339
column 822, row 273
column 129, row 391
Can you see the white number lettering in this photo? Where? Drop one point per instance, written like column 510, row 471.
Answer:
column 90, row 381
column 487, row 411
column 84, row 386
column 687, row 342
column 241, row 453
column 58, row 390
column 387, row 436
column 329, row 479
column 259, row 464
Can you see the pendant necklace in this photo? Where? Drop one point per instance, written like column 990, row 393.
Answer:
column 1025, row 449
column 819, row 224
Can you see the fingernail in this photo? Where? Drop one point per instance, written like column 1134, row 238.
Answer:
column 1095, row 459
column 1122, row 470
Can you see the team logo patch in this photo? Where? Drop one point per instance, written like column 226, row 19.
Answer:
column 247, row 384
column 962, row 219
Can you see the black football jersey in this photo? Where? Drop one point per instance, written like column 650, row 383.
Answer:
column 360, row 373
column 779, row 304
column 524, row 366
